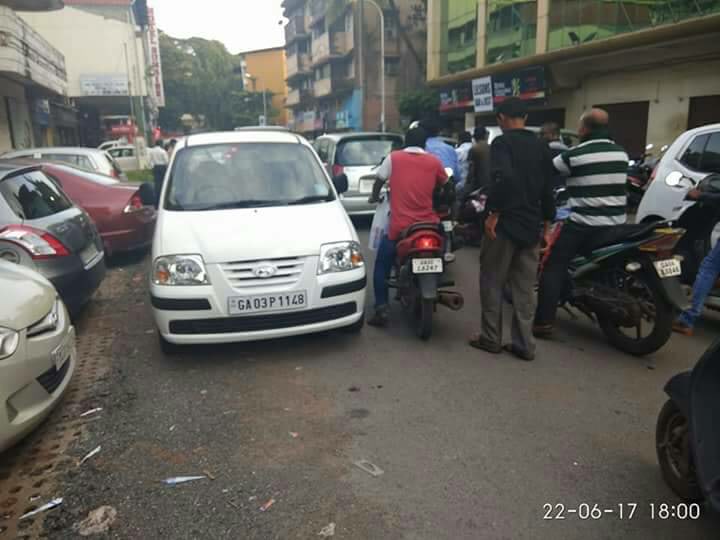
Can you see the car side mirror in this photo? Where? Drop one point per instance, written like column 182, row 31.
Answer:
column 341, row 183
column 147, row 194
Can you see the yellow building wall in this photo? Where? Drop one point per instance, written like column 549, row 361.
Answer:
column 270, row 68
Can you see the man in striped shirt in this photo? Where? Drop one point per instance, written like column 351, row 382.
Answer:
column 597, row 174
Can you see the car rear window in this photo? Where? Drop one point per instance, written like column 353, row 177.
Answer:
column 245, row 175
column 115, row 167
column 365, row 152
column 33, row 196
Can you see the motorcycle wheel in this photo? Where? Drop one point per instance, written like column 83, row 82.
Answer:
column 674, row 454
column 423, row 318
column 655, row 307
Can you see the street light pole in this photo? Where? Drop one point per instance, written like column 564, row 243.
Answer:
column 382, row 64
column 264, row 94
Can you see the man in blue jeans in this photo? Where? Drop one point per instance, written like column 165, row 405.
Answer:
column 413, row 175
column 706, row 278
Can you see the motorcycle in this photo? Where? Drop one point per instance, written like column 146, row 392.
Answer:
column 627, row 281
column 639, row 171
column 471, row 218
column 424, row 252
column 700, row 221
column 687, row 439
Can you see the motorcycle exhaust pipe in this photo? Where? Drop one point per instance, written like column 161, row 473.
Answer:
column 451, row 300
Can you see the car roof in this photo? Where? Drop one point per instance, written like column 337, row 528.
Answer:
column 357, row 134
column 11, row 167
column 245, row 136
column 74, row 150
column 702, row 129
column 262, row 128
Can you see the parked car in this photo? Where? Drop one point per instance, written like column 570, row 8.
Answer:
column 37, row 351
column 124, row 213
column 40, row 228
column 252, row 243
column 89, row 159
column 569, row 137
column 695, row 154
column 126, row 157
column 107, row 145
column 356, row 155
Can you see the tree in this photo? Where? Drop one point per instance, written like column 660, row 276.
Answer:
column 418, row 104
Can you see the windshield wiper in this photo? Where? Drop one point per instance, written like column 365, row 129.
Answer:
column 313, row 198
column 237, row 204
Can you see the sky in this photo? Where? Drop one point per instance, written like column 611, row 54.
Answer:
column 242, row 25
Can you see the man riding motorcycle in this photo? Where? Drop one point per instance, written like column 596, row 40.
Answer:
column 597, row 174
column 413, row 175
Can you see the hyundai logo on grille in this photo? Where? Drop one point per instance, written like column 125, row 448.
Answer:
column 265, row 272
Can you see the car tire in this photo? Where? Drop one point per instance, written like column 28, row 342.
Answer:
column 168, row 348
column 356, row 327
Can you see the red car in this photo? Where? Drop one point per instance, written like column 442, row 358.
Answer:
column 123, row 212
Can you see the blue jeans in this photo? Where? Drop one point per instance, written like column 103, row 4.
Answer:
column 383, row 267
column 704, row 283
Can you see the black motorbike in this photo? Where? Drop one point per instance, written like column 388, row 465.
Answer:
column 627, row 281
column 687, row 436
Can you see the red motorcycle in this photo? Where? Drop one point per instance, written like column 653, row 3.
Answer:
column 420, row 275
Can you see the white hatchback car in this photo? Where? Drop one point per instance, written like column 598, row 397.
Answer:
column 37, row 351
column 252, row 242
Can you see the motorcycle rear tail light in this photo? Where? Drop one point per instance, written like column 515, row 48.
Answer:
column 426, row 243
column 664, row 243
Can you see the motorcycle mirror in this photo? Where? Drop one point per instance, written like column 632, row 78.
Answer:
column 673, row 179
column 664, row 148
column 632, row 162
column 649, row 147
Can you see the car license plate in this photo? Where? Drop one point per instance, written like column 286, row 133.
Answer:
column 89, row 253
column 63, row 352
column 427, row 266
column 448, row 226
column 243, row 305
column 366, row 185
column 668, row 268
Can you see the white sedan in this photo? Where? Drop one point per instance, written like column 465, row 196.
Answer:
column 37, row 351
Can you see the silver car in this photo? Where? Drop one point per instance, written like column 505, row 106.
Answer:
column 356, row 155
column 37, row 351
column 90, row 159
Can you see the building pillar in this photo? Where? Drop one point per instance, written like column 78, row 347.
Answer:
column 543, row 26
column 434, row 38
column 481, row 55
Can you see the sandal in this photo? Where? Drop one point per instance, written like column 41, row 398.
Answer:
column 479, row 343
column 522, row 355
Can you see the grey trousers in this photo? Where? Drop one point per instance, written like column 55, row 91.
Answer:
column 501, row 263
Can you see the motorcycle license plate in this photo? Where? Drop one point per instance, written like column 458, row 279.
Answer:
column 668, row 268
column 245, row 305
column 427, row 266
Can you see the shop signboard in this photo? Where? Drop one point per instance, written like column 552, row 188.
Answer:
column 528, row 85
column 482, row 94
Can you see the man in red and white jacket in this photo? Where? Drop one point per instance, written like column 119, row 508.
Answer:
column 413, row 175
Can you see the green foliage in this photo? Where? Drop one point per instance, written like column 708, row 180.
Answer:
column 203, row 79
column 417, row 104
column 140, row 176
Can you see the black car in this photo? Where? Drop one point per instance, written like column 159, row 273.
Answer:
column 42, row 229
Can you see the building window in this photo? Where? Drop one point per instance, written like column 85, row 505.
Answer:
column 349, row 22
column 391, row 25
column 392, row 67
column 322, row 72
column 575, row 22
column 511, row 30
column 458, row 31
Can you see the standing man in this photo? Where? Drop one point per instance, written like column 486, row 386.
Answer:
column 597, row 173
column 413, row 175
column 520, row 198
column 463, row 155
column 439, row 148
column 159, row 162
column 479, row 172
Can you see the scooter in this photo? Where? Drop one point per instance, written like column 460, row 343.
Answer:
column 687, row 438
column 627, row 282
column 471, row 218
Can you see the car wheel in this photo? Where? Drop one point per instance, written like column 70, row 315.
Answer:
column 168, row 348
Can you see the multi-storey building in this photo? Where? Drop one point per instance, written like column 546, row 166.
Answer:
column 333, row 62
column 265, row 70
column 653, row 64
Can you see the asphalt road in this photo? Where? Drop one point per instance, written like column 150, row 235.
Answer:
column 472, row 445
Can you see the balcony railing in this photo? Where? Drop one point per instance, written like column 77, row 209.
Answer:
column 342, row 43
column 321, row 48
column 296, row 28
column 25, row 53
column 298, row 64
column 323, row 87
column 297, row 96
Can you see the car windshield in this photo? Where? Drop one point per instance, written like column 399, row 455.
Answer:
column 245, row 175
column 365, row 152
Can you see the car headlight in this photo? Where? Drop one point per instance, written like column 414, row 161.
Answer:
column 340, row 257
column 48, row 323
column 9, row 341
column 180, row 270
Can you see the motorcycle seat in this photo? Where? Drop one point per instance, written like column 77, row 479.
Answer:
column 620, row 234
column 412, row 229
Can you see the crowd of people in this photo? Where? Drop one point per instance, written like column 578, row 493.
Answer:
column 519, row 172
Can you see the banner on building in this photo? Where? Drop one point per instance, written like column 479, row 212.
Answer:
column 528, row 85
column 104, row 85
column 156, row 77
column 482, row 94
column 456, row 98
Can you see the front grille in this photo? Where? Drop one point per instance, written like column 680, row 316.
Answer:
column 257, row 323
column 241, row 275
column 53, row 378
column 177, row 304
